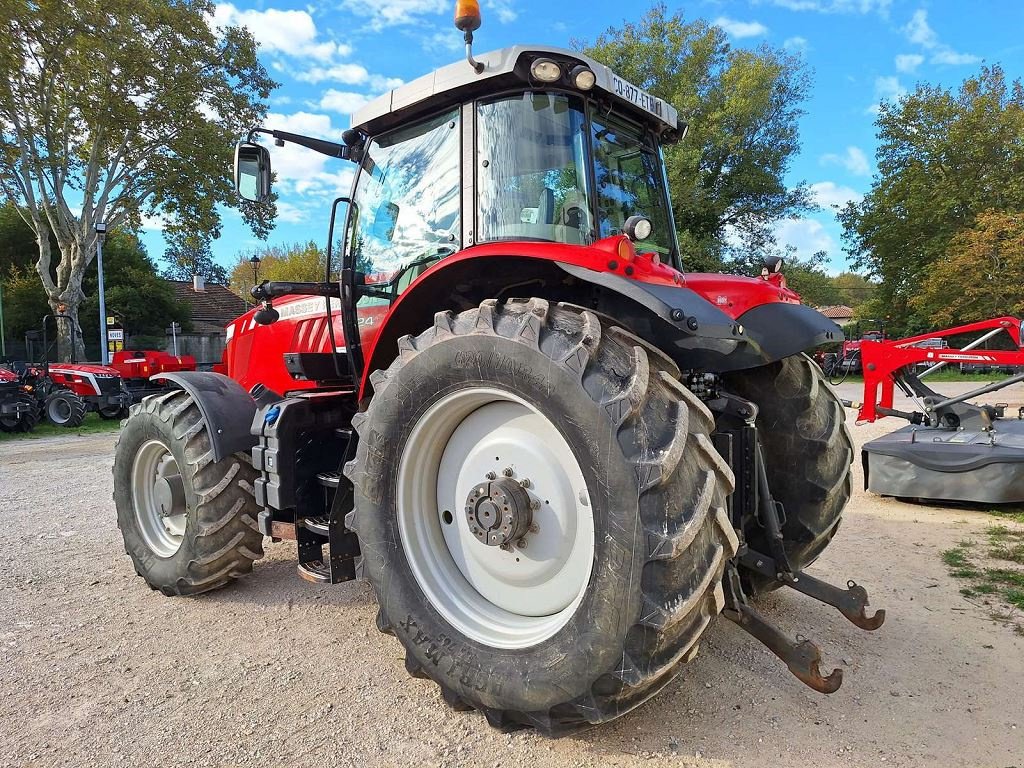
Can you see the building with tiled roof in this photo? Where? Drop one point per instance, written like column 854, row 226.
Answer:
column 211, row 308
column 840, row 314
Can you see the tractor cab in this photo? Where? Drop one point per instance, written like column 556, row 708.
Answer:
column 528, row 144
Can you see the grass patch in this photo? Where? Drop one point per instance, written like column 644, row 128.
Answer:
column 1016, row 514
column 971, row 563
column 93, row 425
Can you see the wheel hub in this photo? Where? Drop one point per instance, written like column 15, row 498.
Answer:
column 500, row 512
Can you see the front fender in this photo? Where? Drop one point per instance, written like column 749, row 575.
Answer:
column 780, row 329
column 225, row 407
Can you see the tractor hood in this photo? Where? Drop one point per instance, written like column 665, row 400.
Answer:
column 83, row 369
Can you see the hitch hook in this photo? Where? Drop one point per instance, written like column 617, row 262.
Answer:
column 851, row 602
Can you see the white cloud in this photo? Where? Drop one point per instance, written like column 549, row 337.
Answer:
column 292, row 33
column 345, row 102
column 290, row 214
column 503, row 9
column 798, row 44
column 949, row 56
column 443, row 40
column 350, row 74
column 919, row 31
column 806, row 236
column 908, row 62
column 740, row 29
column 828, row 194
column 387, row 13
column 835, row 6
column 853, row 159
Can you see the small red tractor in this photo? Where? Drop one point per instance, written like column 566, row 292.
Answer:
column 556, row 456
column 66, row 392
column 137, row 367
column 18, row 409
column 952, row 450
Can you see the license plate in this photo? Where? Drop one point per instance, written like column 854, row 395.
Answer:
column 641, row 98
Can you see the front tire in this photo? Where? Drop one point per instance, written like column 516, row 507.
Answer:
column 546, row 391
column 113, row 412
column 64, row 408
column 808, row 452
column 188, row 523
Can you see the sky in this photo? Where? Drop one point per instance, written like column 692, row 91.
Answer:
column 333, row 57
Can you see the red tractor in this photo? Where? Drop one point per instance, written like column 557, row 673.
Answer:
column 555, row 456
column 66, row 392
column 18, row 409
column 137, row 367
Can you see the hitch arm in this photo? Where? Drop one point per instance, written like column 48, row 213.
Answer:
column 802, row 657
column 851, row 602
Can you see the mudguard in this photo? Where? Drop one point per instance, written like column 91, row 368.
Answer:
column 700, row 335
column 227, row 409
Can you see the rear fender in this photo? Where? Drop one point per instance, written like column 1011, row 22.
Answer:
column 226, row 408
column 674, row 318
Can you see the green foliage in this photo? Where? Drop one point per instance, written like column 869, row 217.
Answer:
column 24, row 304
column 298, row 262
column 943, row 159
column 854, row 290
column 1004, row 583
column 135, row 294
column 982, row 276
column 190, row 255
column 114, row 110
column 742, row 107
column 18, row 246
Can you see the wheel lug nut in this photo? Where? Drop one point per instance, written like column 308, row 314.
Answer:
column 507, row 472
column 535, row 504
column 521, row 543
column 525, row 482
column 491, row 476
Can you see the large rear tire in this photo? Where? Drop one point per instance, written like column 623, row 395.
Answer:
column 808, row 453
column 64, row 408
column 188, row 523
column 587, row 426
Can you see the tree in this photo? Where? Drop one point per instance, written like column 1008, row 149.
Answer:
column 115, row 110
column 742, row 108
column 299, row 262
column 190, row 256
column 943, row 159
column 982, row 275
column 853, row 289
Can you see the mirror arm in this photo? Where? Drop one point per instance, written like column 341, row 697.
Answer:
column 329, row 148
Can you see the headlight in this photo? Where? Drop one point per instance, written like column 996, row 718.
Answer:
column 583, row 77
column 638, row 228
column 545, row 70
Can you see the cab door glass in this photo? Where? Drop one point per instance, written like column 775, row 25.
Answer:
column 629, row 182
column 531, row 169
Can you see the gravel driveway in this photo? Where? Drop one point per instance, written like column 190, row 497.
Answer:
column 96, row 669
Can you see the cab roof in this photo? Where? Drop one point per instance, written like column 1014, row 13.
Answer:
column 505, row 69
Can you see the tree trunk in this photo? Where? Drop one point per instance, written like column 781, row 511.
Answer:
column 70, row 344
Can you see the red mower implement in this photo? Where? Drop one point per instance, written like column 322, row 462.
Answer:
column 556, row 457
column 952, row 450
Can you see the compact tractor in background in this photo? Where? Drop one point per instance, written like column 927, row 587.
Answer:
column 556, row 456
column 66, row 392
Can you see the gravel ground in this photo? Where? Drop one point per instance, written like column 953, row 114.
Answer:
column 96, row 669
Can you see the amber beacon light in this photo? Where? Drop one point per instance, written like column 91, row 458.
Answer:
column 467, row 19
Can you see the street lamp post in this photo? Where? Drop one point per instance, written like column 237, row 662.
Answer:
column 101, row 233
column 255, row 262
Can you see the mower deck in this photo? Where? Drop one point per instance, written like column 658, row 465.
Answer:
column 966, row 464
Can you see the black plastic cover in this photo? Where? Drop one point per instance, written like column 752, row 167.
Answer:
column 226, row 408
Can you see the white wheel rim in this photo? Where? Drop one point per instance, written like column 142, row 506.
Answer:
column 504, row 598
column 158, row 498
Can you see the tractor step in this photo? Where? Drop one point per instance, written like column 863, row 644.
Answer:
column 329, row 479
column 316, row 571
column 318, row 525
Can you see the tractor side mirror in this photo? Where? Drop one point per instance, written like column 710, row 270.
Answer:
column 252, row 171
